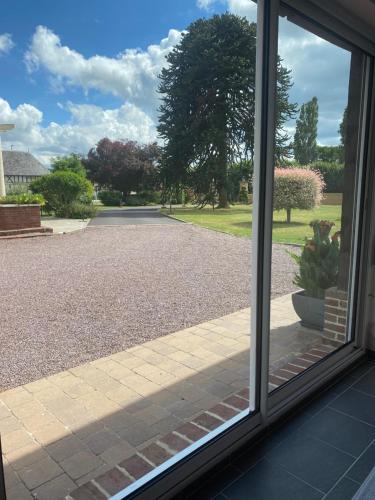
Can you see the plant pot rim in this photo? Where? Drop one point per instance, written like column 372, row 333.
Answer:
column 302, row 292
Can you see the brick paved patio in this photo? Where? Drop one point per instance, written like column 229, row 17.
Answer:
column 62, row 431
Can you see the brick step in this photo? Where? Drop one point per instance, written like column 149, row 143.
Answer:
column 161, row 449
column 29, row 232
column 165, row 447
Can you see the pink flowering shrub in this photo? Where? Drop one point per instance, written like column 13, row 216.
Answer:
column 297, row 188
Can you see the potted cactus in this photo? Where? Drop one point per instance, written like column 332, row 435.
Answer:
column 318, row 270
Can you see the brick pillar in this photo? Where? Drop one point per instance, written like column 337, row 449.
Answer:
column 335, row 312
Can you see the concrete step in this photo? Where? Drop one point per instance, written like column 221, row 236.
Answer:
column 30, row 232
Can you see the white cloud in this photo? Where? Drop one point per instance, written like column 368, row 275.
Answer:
column 132, row 75
column 205, row 4
column 86, row 126
column 319, row 68
column 243, row 8
column 6, row 43
column 27, row 119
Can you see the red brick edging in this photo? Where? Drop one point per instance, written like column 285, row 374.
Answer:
column 162, row 449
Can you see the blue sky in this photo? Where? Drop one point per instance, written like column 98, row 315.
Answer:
column 75, row 71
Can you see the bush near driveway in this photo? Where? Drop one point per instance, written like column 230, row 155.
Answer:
column 78, row 210
column 110, row 198
column 296, row 188
column 142, row 198
column 61, row 189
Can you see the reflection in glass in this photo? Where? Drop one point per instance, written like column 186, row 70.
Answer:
column 314, row 203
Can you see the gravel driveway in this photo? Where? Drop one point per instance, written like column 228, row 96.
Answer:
column 67, row 299
column 130, row 216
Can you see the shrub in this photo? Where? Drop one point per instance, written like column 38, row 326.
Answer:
column 61, row 189
column 78, row 210
column 134, row 200
column 23, row 199
column 110, row 198
column 243, row 197
column 296, row 188
column 332, row 173
column 17, row 188
column 331, row 153
column 319, row 260
column 143, row 198
column 149, row 196
column 237, row 172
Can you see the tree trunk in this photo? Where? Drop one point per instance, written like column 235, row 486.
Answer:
column 223, row 198
column 222, row 161
column 288, row 215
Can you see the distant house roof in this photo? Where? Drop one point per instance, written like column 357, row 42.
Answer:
column 21, row 163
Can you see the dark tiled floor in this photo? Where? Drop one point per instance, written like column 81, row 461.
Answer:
column 324, row 452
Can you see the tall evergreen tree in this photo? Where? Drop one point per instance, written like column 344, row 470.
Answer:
column 284, row 111
column 342, row 127
column 305, row 145
column 208, row 105
column 342, row 131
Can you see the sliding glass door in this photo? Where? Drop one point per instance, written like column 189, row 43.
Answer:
column 201, row 334
column 316, row 193
column 305, row 148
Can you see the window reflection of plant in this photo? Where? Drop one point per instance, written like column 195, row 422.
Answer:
column 319, row 260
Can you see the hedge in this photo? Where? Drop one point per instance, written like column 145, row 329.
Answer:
column 332, row 173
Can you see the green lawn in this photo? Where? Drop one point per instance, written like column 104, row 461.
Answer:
column 237, row 220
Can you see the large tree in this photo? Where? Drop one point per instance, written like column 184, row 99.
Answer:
column 72, row 163
column 305, row 145
column 208, row 105
column 123, row 165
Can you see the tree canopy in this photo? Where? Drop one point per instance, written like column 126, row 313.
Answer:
column 208, row 105
column 123, row 165
column 305, row 145
column 332, row 154
column 72, row 163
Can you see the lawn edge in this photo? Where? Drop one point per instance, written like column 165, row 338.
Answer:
column 229, row 234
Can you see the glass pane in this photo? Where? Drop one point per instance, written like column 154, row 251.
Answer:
column 315, row 179
column 125, row 336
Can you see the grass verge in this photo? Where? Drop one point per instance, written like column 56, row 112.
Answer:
column 237, row 220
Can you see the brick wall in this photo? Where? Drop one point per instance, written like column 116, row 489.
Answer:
column 335, row 312
column 19, row 217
